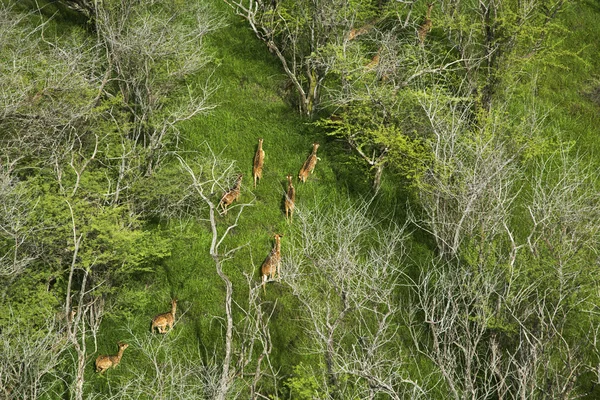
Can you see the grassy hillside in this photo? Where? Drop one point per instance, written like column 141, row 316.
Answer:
column 251, row 104
column 253, row 101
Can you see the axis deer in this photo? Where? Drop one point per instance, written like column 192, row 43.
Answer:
column 231, row 195
column 272, row 263
column 359, row 31
column 290, row 199
column 309, row 164
column 161, row 321
column 105, row 362
column 426, row 25
column 374, row 61
column 259, row 158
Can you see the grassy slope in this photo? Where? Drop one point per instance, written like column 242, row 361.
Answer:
column 567, row 91
column 250, row 106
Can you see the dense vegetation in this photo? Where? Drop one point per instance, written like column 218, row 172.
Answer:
column 446, row 245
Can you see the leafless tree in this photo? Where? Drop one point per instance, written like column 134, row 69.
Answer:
column 298, row 33
column 345, row 273
column 39, row 119
column 16, row 205
column 247, row 343
column 492, row 336
column 149, row 55
column 114, row 100
column 510, row 315
column 85, row 7
column 29, row 358
column 177, row 369
column 471, row 182
column 86, row 316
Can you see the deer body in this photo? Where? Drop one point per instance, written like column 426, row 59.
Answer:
column 272, row 263
column 105, row 362
column 426, row 26
column 162, row 321
column 290, row 199
column 359, row 31
column 259, row 158
column 231, row 195
column 309, row 164
column 374, row 61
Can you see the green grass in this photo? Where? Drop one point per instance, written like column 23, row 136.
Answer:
column 567, row 90
column 251, row 104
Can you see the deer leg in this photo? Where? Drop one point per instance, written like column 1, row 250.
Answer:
column 278, row 272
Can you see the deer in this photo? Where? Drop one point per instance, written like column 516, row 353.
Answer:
column 105, row 362
column 161, row 321
column 290, row 199
column 374, row 61
column 309, row 164
column 426, row 25
column 259, row 158
column 231, row 195
column 271, row 265
column 359, row 31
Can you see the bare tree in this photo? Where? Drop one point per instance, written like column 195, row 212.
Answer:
column 177, row 369
column 299, row 34
column 149, row 56
column 84, row 318
column 29, row 358
column 114, row 100
column 470, row 185
column 509, row 316
column 247, row 343
column 85, row 7
column 345, row 271
column 16, row 231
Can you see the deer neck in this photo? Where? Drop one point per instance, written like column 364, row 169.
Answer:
column 173, row 309
column 428, row 16
column 119, row 355
column 277, row 245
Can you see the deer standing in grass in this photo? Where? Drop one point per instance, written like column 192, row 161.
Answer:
column 272, row 263
column 161, row 321
column 105, row 362
column 231, row 195
column 290, row 199
column 309, row 164
column 259, row 158
column 426, row 25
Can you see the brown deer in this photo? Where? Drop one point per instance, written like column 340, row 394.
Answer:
column 272, row 263
column 231, row 195
column 105, row 362
column 290, row 199
column 426, row 25
column 374, row 61
column 359, row 31
column 309, row 164
column 259, row 158
column 161, row 321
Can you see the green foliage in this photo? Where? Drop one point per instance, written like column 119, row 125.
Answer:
column 304, row 384
column 143, row 240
